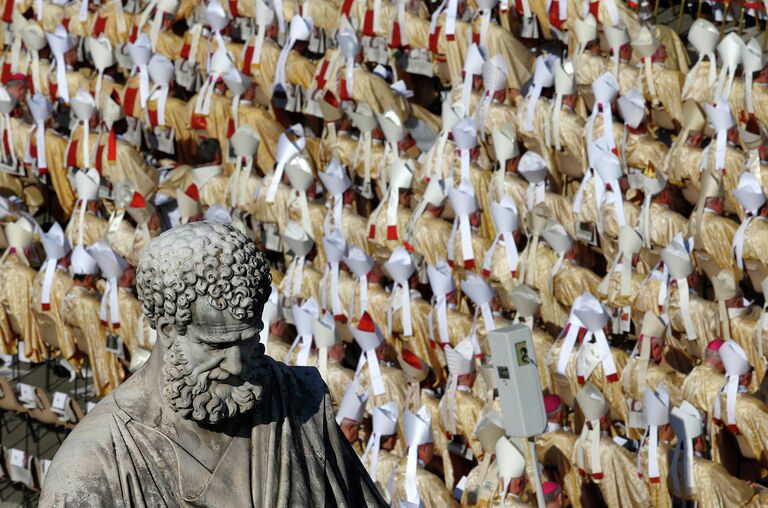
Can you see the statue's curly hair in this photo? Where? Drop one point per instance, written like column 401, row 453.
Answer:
column 202, row 259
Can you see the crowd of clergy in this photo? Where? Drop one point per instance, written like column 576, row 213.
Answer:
column 420, row 174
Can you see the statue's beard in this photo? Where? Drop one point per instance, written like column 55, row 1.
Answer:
column 209, row 396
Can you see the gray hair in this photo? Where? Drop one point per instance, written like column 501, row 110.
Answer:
column 202, row 259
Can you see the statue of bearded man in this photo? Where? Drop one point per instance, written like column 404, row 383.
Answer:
column 209, row 420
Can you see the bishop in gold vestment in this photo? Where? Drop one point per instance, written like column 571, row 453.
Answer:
column 16, row 285
column 80, row 310
column 53, row 329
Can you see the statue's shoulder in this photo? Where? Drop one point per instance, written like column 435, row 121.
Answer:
column 304, row 377
column 81, row 471
column 300, row 387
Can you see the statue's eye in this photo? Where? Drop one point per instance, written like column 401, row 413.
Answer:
column 219, row 345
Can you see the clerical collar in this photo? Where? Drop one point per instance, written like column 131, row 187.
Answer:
column 427, row 391
column 463, row 388
column 551, row 426
column 246, row 102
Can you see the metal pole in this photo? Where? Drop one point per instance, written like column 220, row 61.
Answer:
column 536, row 477
column 765, row 36
column 680, row 16
column 741, row 19
column 726, row 8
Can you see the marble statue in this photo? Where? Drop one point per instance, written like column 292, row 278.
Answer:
column 209, row 420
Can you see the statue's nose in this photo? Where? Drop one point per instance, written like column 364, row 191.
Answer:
column 233, row 361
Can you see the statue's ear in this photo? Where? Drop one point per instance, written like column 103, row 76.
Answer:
column 166, row 330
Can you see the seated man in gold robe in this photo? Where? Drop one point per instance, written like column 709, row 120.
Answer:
column 236, row 437
column 164, row 41
column 380, row 457
column 739, row 418
column 75, row 79
column 688, row 340
column 642, row 150
column 419, row 484
column 511, row 469
column 421, row 380
column 130, row 311
column 662, row 85
column 55, row 159
column 694, row 478
column 481, row 480
column 652, row 457
column 459, row 408
column 713, row 231
column 650, row 367
column 583, row 355
column 47, row 298
column 176, row 116
column 704, row 381
column 682, row 161
column 299, row 70
column 214, row 121
column 569, row 151
column 80, row 310
column 589, row 66
column 663, row 223
column 609, row 467
column 93, row 226
column 555, row 450
column 366, row 86
column 17, row 321
column 113, row 22
column 263, row 122
column 338, row 377
column 119, row 163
